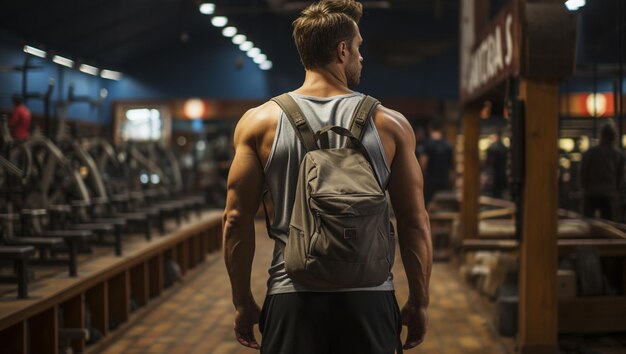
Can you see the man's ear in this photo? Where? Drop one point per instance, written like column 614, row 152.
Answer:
column 342, row 51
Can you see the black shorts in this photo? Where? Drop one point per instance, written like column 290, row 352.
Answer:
column 363, row 322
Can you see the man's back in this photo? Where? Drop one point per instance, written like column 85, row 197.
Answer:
column 282, row 168
column 439, row 153
column 602, row 170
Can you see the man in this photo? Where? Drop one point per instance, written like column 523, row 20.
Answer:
column 436, row 160
column 296, row 320
column 19, row 123
column 602, row 176
column 497, row 159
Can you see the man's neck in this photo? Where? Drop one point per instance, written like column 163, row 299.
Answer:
column 325, row 82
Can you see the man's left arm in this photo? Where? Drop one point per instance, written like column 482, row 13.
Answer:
column 245, row 183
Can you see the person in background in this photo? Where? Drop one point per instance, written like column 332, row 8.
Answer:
column 497, row 156
column 436, row 161
column 19, row 123
column 602, row 176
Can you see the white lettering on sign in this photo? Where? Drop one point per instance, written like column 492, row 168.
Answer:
column 491, row 57
column 509, row 40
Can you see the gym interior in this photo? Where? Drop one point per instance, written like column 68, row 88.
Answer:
column 111, row 198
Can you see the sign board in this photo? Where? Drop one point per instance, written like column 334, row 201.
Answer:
column 490, row 56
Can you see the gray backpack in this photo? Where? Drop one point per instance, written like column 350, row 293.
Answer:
column 340, row 235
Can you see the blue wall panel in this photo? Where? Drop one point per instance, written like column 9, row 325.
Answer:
column 84, row 84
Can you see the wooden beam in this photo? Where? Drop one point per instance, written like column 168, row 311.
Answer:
column 44, row 332
column 96, row 302
column 592, row 314
column 139, row 284
column 471, row 173
column 538, row 262
column 155, row 268
column 14, row 339
column 119, row 299
column 74, row 317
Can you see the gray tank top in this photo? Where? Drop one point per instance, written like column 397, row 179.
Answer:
column 281, row 173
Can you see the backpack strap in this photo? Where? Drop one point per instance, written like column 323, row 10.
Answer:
column 298, row 121
column 361, row 115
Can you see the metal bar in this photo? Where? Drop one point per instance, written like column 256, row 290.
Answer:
column 22, row 285
column 620, row 86
column 595, row 90
column 72, row 248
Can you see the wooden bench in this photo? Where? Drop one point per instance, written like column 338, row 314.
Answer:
column 579, row 314
column 104, row 288
column 19, row 255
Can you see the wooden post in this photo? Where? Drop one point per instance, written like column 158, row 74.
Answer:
column 44, row 332
column 74, row 317
column 119, row 299
column 471, row 173
column 14, row 339
column 96, row 300
column 139, row 284
column 155, row 265
column 539, row 253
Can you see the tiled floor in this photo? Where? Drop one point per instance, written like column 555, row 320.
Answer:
column 199, row 317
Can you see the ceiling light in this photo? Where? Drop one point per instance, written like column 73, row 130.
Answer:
column 34, row 51
column 207, row 8
column 574, row 5
column 88, row 69
column 246, row 46
column 260, row 58
column 229, row 31
column 219, row 21
column 253, row 52
column 111, row 75
column 238, row 39
column 266, row 65
column 63, row 61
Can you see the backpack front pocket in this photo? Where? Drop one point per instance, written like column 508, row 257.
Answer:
column 348, row 238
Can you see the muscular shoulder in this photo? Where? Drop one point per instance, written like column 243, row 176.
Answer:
column 393, row 124
column 256, row 122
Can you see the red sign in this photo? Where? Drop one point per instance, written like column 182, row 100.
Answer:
column 602, row 104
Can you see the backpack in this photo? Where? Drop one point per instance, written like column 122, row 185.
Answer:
column 340, row 235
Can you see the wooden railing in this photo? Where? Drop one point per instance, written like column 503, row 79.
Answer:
column 104, row 288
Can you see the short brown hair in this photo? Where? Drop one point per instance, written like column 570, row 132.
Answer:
column 321, row 26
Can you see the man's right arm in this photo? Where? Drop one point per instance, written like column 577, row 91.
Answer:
column 406, row 192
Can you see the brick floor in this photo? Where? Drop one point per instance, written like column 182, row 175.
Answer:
column 199, row 317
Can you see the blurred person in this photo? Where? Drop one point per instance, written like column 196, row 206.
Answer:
column 602, row 176
column 497, row 159
column 436, row 160
column 19, row 123
column 296, row 319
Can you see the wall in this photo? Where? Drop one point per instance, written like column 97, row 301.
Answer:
column 11, row 54
column 204, row 71
column 212, row 67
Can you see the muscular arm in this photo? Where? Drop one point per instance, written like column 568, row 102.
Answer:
column 245, row 183
column 406, row 192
